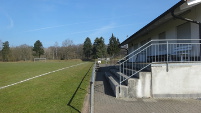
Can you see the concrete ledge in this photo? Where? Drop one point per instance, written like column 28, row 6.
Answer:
column 176, row 95
column 124, row 91
column 115, row 86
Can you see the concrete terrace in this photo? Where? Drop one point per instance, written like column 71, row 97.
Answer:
column 105, row 102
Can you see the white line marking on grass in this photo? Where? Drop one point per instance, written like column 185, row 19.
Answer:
column 40, row 75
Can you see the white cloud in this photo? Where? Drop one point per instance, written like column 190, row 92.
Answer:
column 51, row 27
column 43, row 28
column 102, row 30
column 8, row 21
column 11, row 24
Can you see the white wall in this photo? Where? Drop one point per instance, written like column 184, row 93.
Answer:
column 180, row 80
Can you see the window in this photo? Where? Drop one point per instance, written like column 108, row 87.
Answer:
column 162, row 45
column 184, row 32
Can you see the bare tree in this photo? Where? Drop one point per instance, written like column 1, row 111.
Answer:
column 22, row 52
column 1, row 46
column 56, row 46
column 50, row 52
column 68, row 50
column 79, row 51
column 25, row 52
column 67, row 46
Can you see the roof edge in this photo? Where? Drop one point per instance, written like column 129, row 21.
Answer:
column 155, row 20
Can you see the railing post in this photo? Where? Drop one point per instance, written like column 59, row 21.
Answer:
column 200, row 40
column 120, row 78
column 167, row 58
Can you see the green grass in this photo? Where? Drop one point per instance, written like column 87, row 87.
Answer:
column 53, row 93
column 16, row 71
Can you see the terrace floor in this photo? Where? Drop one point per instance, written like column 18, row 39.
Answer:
column 105, row 102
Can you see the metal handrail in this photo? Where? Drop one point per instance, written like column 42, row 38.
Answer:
column 92, row 81
column 135, row 51
column 160, row 51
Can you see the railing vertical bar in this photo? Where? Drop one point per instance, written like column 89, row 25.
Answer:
column 132, row 65
column 147, row 55
column 193, row 53
column 197, row 54
column 167, row 51
column 120, row 79
column 155, row 53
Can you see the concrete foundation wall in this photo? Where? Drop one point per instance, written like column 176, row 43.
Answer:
column 181, row 80
column 140, row 88
column 144, row 89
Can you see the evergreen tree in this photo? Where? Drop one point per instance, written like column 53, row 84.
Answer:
column 5, row 51
column 38, row 48
column 99, row 49
column 87, row 48
column 113, row 46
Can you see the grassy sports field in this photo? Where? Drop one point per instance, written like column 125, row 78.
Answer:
column 58, row 92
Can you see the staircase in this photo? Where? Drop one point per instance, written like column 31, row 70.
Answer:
column 137, row 86
column 131, row 79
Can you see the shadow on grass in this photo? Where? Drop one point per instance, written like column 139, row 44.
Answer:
column 79, row 87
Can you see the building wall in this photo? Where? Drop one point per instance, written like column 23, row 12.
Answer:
column 179, row 81
column 170, row 28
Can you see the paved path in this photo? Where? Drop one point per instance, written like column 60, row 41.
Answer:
column 105, row 102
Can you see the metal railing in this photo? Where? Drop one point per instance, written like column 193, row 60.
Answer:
column 92, row 81
column 164, row 51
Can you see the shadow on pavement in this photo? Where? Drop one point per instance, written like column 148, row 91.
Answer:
column 100, row 77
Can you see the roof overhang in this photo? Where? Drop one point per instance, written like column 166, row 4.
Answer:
column 193, row 2
column 179, row 8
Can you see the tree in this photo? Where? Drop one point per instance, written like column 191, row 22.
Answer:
column 87, row 48
column 38, row 48
column 99, row 49
column 67, row 49
column 1, row 49
column 0, row 45
column 113, row 46
column 56, row 45
column 79, row 51
column 25, row 52
column 5, row 51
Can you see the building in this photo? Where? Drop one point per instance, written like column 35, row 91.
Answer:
column 164, row 56
column 179, row 22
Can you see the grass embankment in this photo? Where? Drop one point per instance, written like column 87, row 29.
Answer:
column 52, row 93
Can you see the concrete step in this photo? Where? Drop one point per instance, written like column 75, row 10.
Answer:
column 128, row 71
column 119, row 75
column 137, row 66
column 114, row 84
column 138, row 86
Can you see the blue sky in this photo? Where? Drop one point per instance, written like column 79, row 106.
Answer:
column 50, row 21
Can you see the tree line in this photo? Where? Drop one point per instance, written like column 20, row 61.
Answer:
column 99, row 49
column 68, row 50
